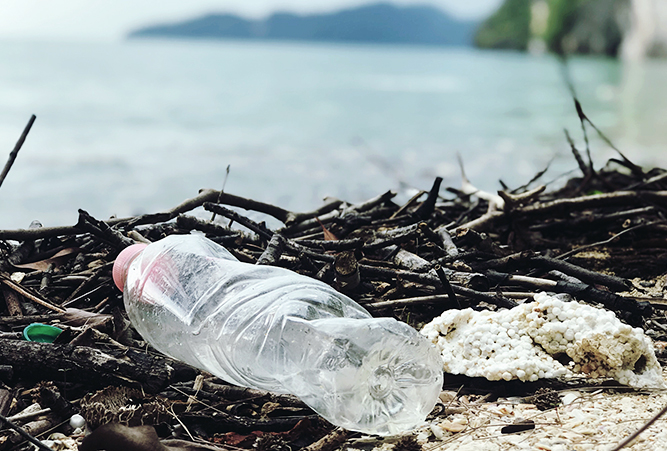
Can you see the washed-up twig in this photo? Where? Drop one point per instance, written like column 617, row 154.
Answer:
column 576, row 250
column 25, row 416
column 594, row 200
column 89, row 281
column 635, row 434
column 579, row 290
column 210, row 195
column 307, row 221
column 425, row 210
column 331, row 245
column 22, row 291
column 14, row 153
column 83, row 363
column 223, row 421
column 407, row 205
column 612, row 282
column 587, row 170
column 484, row 222
column 403, row 302
column 446, row 285
column 79, row 297
column 593, row 218
column 41, row 232
column 473, row 280
column 636, row 170
column 222, row 190
column 512, row 200
column 102, row 230
column 24, row 434
column 432, row 280
column 393, row 236
column 237, row 393
column 259, row 229
column 273, row 250
column 654, row 179
column 567, row 77
column 191, row 223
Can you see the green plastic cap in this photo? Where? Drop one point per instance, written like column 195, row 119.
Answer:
column 41, row 333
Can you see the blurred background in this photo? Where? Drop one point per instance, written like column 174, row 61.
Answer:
column 140, row 103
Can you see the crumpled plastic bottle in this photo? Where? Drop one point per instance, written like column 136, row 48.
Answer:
column 270, row 328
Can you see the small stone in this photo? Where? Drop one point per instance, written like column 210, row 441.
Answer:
column 452, row 427
column 77, row 421
column 569, row 397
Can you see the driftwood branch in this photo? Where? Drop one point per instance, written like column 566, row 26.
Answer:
column 24, row 434
column 24, row 292
column 14, row 153
column 83, row 363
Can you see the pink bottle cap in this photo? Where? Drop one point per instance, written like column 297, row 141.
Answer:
column 122, row 263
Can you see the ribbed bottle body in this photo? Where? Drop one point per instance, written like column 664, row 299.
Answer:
column 270, row 328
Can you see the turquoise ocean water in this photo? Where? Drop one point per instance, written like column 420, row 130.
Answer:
column 139, row 126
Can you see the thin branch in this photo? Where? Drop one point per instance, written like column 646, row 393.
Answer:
column 647, row 182
column 586, row 170
column 583, row 119
column 446, row 285
column 607, row 241
column 24, row 434
column 259, row 229
column 22, row 291
column 14, row 153
column 425, row 210
column 627, row 441
column 224, row 183
column 594, row 200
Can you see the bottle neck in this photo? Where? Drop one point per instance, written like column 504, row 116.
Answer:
column 122, row 263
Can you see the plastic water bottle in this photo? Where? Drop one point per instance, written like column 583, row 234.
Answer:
column 270, row 328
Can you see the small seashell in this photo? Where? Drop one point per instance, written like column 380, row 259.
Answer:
column 452, row 427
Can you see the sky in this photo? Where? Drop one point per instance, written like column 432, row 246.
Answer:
column 112, row 19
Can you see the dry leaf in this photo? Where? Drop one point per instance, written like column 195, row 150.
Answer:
column 77, row 317
column 328, row 236
column 56, row 259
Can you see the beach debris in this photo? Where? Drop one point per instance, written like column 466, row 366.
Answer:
column 519, row 425
column 547, row 338
column 599, row 239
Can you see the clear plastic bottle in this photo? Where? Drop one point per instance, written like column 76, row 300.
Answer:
column 270, row 328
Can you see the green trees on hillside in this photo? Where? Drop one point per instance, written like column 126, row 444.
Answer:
column 508, row 28
column 586, row 26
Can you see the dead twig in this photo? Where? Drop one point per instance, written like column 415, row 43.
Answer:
column 14, row 153
column 25, row 293
column 648, row 424
column 222, row 190
column 24, row 434
column 574, row 251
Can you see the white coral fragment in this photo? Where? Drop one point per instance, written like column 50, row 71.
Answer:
column 530, row 341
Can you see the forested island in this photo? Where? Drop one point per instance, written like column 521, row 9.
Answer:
column 376, row 23
column 628, row 28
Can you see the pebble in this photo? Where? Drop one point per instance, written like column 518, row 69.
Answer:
column 77, row 421
column 569, row 397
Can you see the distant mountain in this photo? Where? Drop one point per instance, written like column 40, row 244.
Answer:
column 379, row 23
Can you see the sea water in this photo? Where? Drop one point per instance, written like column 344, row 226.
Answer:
column 138, row 126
